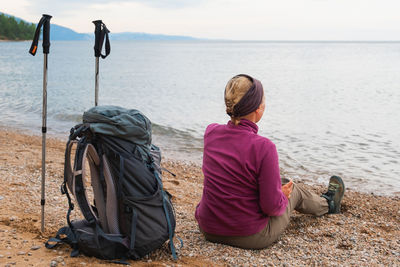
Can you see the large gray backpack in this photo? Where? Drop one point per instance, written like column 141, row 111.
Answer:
column 131, row 214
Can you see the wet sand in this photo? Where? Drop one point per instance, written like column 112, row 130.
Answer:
column 366, row 233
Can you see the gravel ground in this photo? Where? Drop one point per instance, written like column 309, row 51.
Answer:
column 366, row 233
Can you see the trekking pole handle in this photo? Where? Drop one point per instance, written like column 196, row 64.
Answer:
column 46, row 34
column 101, row 36
column 45, row 22
column 97, row 37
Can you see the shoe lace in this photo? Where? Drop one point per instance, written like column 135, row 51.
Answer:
column 332, row 188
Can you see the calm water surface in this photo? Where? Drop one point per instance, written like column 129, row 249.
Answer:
column 332, row 108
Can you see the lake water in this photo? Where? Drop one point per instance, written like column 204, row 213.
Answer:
column 332, row 108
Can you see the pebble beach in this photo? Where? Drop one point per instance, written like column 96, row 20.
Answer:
column 366, row 233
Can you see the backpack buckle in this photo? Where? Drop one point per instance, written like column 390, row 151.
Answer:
column 127, row 209
column 92, row 221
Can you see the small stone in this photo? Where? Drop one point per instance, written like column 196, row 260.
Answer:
column 29, row 254
column 59, row 259
column 191, row 255
column 20, row 253
column 53, row 264
column 83, row 263
column 1, row 197
column 35, row 247
column 1, row 256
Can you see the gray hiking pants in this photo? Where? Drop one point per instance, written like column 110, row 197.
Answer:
column 301, row 200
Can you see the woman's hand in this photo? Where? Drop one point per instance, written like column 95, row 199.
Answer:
column 287, row 189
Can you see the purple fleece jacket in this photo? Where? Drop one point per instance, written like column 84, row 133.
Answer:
column 242, row 184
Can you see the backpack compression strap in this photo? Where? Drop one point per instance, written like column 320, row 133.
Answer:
column 170, row 231
column 111, row 200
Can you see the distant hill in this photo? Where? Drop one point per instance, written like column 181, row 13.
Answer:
column 58, row 32
column 15, row 29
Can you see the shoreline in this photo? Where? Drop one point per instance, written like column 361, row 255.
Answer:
column 365, row 233
column 194, row 160
column 63, row 137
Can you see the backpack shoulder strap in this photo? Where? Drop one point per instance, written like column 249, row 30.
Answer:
column 79, row 179
column 68, row 175
column 104, row 188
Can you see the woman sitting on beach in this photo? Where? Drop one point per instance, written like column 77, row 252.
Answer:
column 244, row 203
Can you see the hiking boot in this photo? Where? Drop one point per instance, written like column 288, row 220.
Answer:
column 334, row 194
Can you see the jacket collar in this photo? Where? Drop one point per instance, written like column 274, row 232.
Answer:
column 245, row 125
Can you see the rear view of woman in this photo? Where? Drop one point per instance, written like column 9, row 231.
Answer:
column 244, row 203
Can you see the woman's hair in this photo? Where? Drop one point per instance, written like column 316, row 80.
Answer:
column 235, row 89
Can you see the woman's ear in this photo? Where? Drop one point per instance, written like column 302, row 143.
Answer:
column 260, row 111
column 260, row 108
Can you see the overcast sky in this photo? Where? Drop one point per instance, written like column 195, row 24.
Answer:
column 225, row 19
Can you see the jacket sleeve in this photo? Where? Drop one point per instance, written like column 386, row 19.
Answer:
column 272, row 200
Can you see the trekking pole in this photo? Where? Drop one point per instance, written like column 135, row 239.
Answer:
column 45, row 21
column 100, row 31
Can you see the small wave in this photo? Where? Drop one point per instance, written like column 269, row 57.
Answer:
column 178, row 144
column 169, row 131
column 75, row 118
